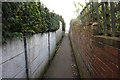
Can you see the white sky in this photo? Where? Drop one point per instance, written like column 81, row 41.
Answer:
column 62, row 7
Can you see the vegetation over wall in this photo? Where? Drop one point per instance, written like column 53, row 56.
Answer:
column 75, row 22
column 105, row 14
column 28, row 17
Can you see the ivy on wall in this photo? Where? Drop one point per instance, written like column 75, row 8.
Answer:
column 28, row 17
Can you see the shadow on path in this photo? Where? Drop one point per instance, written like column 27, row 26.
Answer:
column 63, row 64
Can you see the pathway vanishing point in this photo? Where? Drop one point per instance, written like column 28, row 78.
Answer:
column 63, row 64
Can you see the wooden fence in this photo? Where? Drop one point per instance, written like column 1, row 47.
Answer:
column 106, row 14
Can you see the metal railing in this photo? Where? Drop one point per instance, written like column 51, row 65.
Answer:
column 106, row 14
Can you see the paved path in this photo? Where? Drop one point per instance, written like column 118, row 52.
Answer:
column 63, row 64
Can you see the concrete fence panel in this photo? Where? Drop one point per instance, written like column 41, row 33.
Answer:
column 37, row 47
column 52, row 43
column 13, row 59
column 13, row 56
column 59, row 33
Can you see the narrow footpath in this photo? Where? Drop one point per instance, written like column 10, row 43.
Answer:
column 63, row 64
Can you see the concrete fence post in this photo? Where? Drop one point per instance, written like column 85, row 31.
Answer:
column 26, row 57
column 49, row 46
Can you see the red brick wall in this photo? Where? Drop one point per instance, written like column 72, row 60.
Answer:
column 97, row 56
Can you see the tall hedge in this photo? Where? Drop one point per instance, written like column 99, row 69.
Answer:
column 27, row 17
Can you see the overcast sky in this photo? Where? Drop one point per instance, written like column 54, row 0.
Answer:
column 62, row 7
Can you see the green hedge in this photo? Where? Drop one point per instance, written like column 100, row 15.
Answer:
column 28, row 17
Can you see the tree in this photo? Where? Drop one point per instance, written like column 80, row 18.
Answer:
column 79, row 6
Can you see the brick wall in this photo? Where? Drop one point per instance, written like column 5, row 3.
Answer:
column 97, row 56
